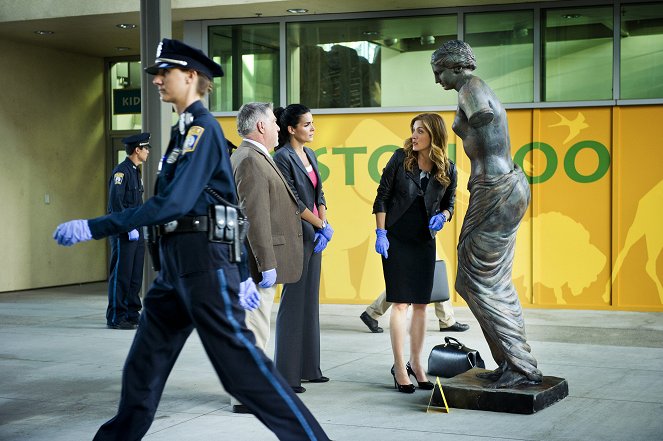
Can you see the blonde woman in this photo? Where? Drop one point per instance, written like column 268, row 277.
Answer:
column 414, row 200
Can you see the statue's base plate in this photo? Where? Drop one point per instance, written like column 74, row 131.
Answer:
column 467, row 391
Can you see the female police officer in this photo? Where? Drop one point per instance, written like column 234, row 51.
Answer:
column 199, row 283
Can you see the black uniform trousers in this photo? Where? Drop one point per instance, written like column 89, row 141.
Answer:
column 197, row 287
column 125, row 279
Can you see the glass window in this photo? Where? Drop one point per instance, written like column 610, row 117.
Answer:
column 503, row 43
column 253, row 51
column 641, row 51
column 381, row 62
column 577, row 54
column 125, row 79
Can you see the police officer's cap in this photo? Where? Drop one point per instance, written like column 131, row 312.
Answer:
column 133, row 141
column 174, row 53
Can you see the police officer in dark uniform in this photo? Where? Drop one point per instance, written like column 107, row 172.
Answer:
column 198, row 285
column 127, row 249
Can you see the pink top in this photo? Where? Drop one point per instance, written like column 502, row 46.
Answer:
column 314, row 180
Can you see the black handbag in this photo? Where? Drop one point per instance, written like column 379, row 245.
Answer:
column 440, row 291
column 452, row 358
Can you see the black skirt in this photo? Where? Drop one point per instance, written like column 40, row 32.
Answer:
column 408, row 272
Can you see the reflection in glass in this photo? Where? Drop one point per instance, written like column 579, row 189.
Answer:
column 381, row 62
column 503, row 43
column 641, row 51
column 253, row 51
column 125, row 77
column 577, row 54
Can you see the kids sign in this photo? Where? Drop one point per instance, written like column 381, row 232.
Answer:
column 126, row 101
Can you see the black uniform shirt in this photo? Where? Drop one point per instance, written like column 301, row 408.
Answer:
column 125, row 189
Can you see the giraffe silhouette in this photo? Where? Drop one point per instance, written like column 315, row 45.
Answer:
column 644, row 225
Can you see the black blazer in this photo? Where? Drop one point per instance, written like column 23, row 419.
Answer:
column 295, row 174
column 399, row 188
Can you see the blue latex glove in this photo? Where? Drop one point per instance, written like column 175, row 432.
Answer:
column 381, row 243
column 133, row 235
column 268, row 278
column 249, row 297
column 328, row 232
column 72, row 232
column 437, row 222
column 320, row 242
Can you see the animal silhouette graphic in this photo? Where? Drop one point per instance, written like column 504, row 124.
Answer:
column 557, row 234
column 574, row 126
column 645, row 225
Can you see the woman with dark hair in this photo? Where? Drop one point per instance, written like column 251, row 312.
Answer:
column 415, row 198
column 297, row 350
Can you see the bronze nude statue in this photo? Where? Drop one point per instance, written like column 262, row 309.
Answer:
column 499, row 196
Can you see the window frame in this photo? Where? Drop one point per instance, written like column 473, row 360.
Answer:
column 196, row 33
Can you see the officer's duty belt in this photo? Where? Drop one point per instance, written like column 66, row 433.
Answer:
column 186, row 224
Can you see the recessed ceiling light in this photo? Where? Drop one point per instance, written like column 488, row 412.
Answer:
column 126, row 26
column 298, row 11
column 44, row 32
column 122, row 48
column 571, row 16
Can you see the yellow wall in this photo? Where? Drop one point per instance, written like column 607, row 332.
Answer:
column 51, row 143
column 595, row 216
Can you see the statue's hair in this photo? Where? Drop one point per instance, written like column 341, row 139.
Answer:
column 454, row 53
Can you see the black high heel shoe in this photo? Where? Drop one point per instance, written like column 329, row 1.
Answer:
column 405, row 388
column 425, row 385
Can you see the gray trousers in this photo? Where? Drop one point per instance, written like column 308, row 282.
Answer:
column 297, row 344
column 443, row 310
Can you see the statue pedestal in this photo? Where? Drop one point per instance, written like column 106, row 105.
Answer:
column 466, row 391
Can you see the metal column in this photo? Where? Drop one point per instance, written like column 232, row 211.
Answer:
column 155, row 24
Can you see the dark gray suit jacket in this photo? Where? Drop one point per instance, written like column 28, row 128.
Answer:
column 295, row 173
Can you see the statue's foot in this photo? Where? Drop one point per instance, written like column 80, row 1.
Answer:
column 493, row 375
column 510, row 379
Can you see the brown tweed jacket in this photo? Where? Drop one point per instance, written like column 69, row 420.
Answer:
column 275, row 232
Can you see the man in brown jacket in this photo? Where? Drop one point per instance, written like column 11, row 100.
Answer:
column 275, row 232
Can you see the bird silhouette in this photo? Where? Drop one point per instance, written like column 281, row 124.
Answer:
column 575, row 126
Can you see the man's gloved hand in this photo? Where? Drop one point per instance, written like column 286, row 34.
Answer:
column 72, row 232
column 249, row 297
column 320, row 242
column 268, row 278
column 381, row 243
column 133, row 235
column 328, row 232
column 437, row 222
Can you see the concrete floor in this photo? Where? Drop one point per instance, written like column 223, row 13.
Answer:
column 60, row 374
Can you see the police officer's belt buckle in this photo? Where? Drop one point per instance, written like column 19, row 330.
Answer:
column 186, row 224
column 169, row 227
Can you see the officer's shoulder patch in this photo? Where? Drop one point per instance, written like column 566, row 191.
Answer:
column 118, row 177
column 192, row 137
